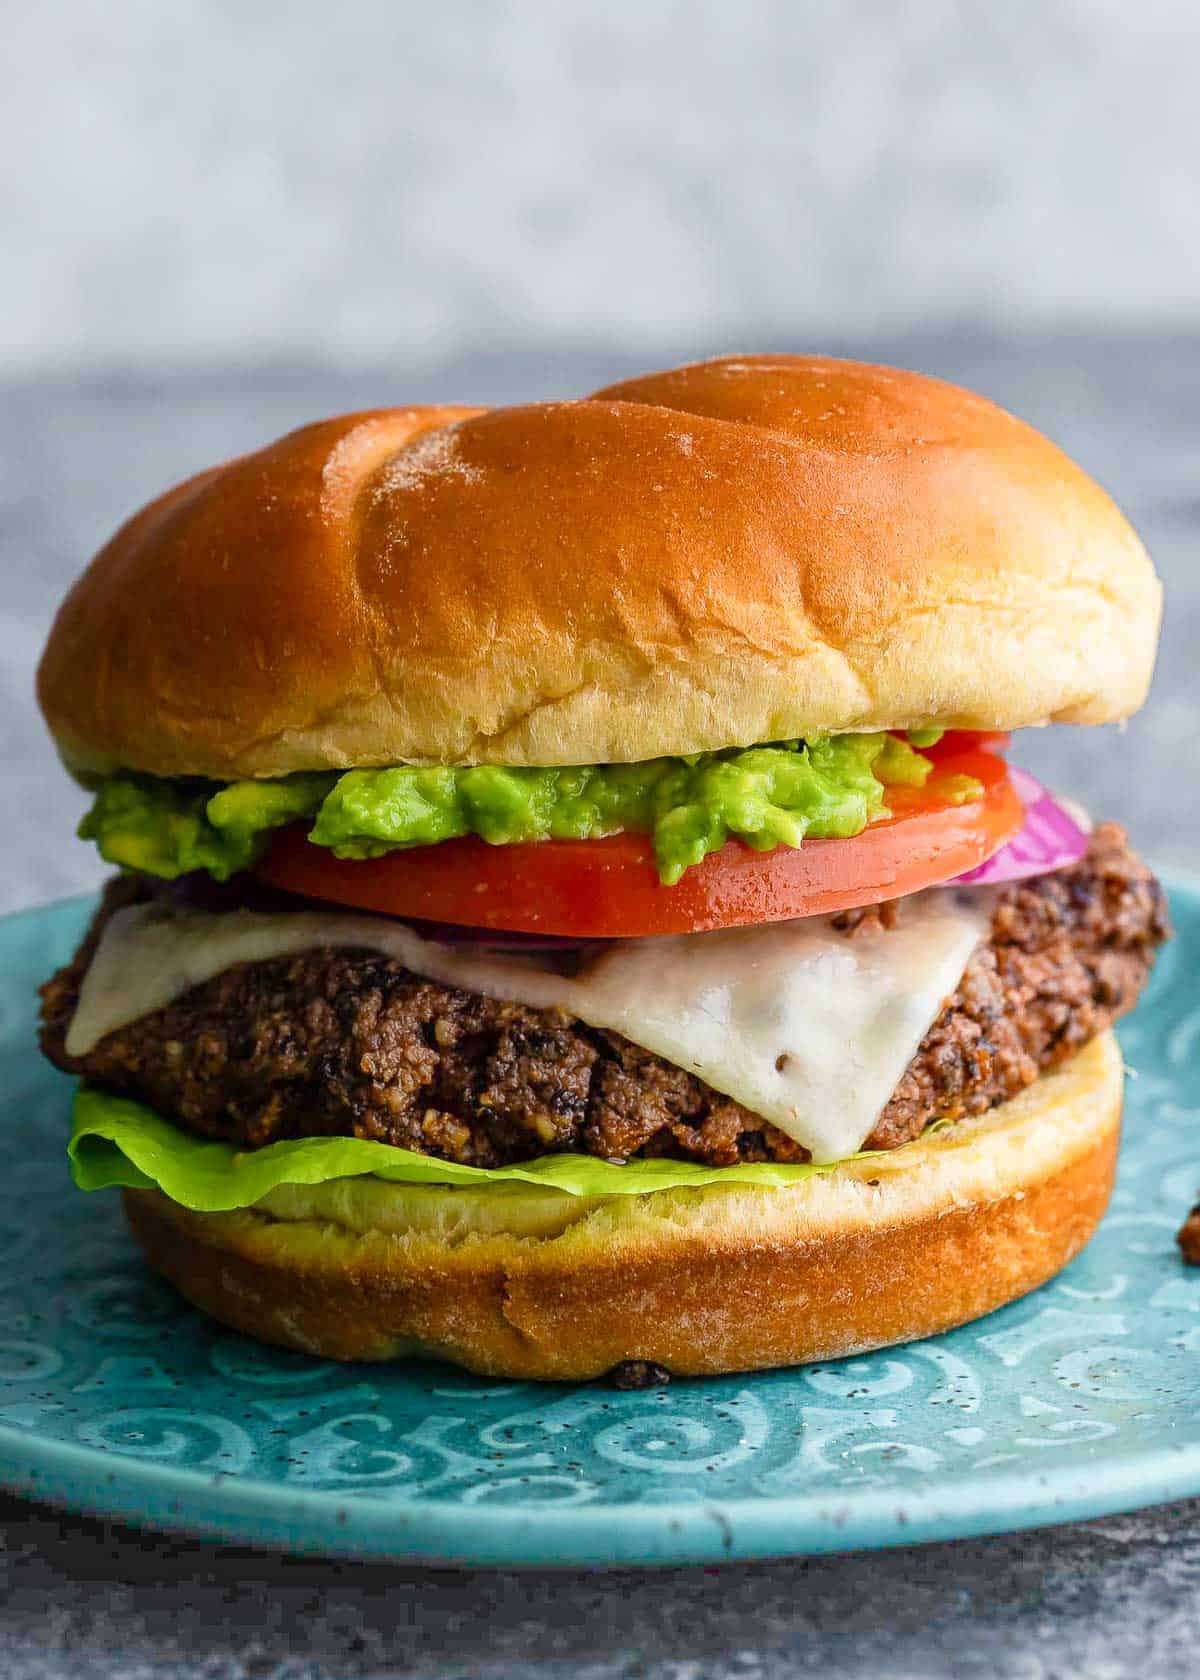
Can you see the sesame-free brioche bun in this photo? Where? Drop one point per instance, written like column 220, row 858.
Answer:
column 526, row 1282
column 742, row 550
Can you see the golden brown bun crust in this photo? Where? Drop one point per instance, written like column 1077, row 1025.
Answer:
column 884, row 1250
column 737, row 551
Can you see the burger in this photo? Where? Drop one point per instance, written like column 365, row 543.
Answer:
column 574, row 911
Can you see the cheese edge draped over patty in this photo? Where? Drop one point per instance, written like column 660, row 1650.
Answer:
column 799, row 1023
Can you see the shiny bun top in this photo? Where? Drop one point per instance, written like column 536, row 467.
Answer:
column 741, row 550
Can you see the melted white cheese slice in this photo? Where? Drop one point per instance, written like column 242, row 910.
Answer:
column 799, row 1023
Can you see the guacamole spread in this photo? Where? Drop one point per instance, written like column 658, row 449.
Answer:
column 766, row 796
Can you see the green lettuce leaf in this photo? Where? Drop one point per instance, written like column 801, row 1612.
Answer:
column 115, row 1141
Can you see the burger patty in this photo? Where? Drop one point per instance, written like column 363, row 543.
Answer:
column 338, row 1042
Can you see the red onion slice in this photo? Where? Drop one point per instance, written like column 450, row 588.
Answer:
column 1051, row 837
column 497, row 939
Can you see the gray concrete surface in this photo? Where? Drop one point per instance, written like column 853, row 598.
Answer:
column 1099, row 1601
column 222, row 179
column 1102, row 1600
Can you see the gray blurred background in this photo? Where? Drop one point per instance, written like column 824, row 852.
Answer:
column 223, row 219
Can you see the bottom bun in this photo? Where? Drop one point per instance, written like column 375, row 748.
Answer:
column 521, row 1281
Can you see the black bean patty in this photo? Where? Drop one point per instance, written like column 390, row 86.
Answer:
column 347, row 1042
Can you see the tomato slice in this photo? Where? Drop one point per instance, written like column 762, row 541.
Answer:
column 960, row 740
column 600, row 889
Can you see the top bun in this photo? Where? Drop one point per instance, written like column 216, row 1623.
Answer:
column 742, row 550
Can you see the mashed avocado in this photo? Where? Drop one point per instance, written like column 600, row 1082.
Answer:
column 767, row 796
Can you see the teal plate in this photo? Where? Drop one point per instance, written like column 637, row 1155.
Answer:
column 117, row 1398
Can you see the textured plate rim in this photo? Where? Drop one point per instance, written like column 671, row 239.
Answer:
column 240, row 1509
column 245, row 1510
